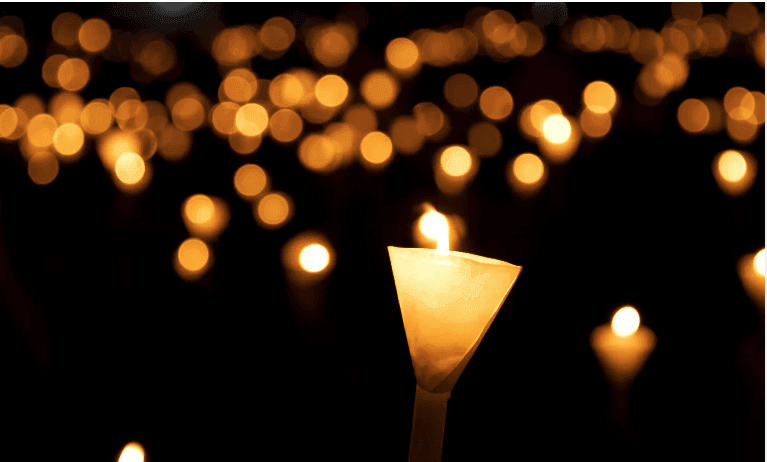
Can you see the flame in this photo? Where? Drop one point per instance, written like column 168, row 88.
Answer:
column 132, row 452
column 434, row 226
column 759, row 263
column 625, row 322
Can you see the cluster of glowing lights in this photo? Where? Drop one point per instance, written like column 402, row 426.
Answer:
column 625, row 321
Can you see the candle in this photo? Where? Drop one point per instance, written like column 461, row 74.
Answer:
column 622, row 347
column 448, row 300
column 751, row 273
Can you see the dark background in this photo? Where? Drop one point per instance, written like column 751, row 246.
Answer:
column 103, row 344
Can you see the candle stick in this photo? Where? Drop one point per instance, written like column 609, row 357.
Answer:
column 448, row 300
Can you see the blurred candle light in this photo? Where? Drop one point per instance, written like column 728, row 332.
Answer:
column 403, row 57
column 273, row 210
column 331, row 90
column 622, row 347
column 376, row 149
column 751, row 273
column 496, row 103
column 68, row 139
column 204, row 216
column 43, row 167
column 427, row 229
column 192, row 259
column 561, row 138
column 526, row 174
column 132, row 452
column 734, row 171
column 448, row 301
column 94, row 35
column 599, row 97
column 693, row 115
column 379, row 89
column 250, row 181
column 454, row 168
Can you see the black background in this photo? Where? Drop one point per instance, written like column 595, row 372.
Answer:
column 105, row 344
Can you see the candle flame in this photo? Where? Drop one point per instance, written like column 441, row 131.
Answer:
column 132, row 452
column 434, row 226
column 759, row 263
column 625, row 322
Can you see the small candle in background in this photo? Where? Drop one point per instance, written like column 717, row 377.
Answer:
column 132, row 452
column 622, row 347
column 751, row 273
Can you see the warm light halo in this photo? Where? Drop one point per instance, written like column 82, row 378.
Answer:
column 625, row 321
column 759, row 263
column 314, row 258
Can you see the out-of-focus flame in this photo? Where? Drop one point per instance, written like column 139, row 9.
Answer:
column 132, row 452
column 759, row 262
column 434, row 226
column 625, row 322
column 314, row 258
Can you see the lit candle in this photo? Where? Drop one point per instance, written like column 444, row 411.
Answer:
column 751, row 273
column 448, row 300
column 622, row 347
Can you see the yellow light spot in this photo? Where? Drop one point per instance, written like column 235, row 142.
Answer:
column 285, row 125
column 455, row 161
column 65, row 28
column 732, row 166
column 402, row 54
column 540, row 111
column 434, row 226
column 693, row 115
column 252, row 119
column 94, row 35
column 625, row 321
column 314, row 258
column 250, row 180
column 331, row 90
column 376, row 147
column 130, row 168
column 41, row 129
column 43, row 167
column 379, row 89
column 461, row 90
column 68, row 139
column 286, row 90
column 188, row 114
column 496, row 103
column 528, row 168
column 759, row 263
column 273, row 209
column 193, row 255
column 199, row 209
column 556, row 129
column 73, row 74
column 599, row 97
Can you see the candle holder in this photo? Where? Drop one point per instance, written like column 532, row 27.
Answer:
column 448, row 301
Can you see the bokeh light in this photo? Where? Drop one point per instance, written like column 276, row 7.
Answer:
column 461, row 90
column 599, row 97
column 759, row 263
column 132, row 452
column 94, row 35
column 251, row 119
column 250, row 180
column 379, row 89
column 693, row 115
column 314, row 258
column 68, row 139
column 556, row 129
column 331, row 90
column 193, row 254
column 625, row 321
column 455, row 161
column 402, row 55
column 43, row 167
column 285, row 125
column 496, row 103
column 376, row 148
column 130, row 168
column 485, row 139
column 273, row 210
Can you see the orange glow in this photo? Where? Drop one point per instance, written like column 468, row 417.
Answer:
column 625, row 322
column 286, row 90
column 674, row 40
column 717, row 32
column 535, row 38
column 285, row 125
column 193, row 255
column 20, row 126
column 250, row 180
column 51, row 70
column 645, row 45
column 539, row 112
column 402, row 55
column 461, row 90
column 561, row 152
column 455, row 161
column 73, row 74
column 94, row 35
column 739, row 103
column 130, row 168
column 496, row 103
column 13, row 51
column 376, row 147
column 251, row 119
column 528, row 168
column 235, row 45
column 758, row 107
column 96, row 117
column 332, row 44
column 8, row 120
column 132, row 452
column 588, row 35
column 121, row 95
column 317, row 153
column 498, row 26
column 556, row 129
column 277, row 34
column 759, row 263
column 693, row 115
column 199, row 209
column 485, row 139
column 379, row 89
column 433, row 225
column 188, row 114
column 31, row 104
column 273, row 210
column 314, row 258
column 405, row 136
column 734, row 171
column 66, row 107
column 331, row 90
column 687, row 10
column 41, row 129
column 243, row 144
column 757, row 43
column 68, row 139
column 240, row 85
column 741, row 131
column 65, row 28
column 743, row 17
column 732, row 166
column 430, row 120
column 43, row 167
column 132, row 115
column 599, row 97
column 157, row 57
column 595, row 125
column 362, row 118
column 346, row 141
column 223, row 117
column 716, row 116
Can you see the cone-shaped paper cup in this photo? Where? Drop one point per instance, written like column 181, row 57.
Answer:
column 448, row 302
column 622, row 357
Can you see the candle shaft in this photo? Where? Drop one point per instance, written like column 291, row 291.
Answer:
column 428, row 431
